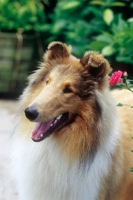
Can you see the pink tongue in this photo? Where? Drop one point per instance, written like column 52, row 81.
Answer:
column 39, row 129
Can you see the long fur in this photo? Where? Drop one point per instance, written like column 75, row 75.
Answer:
column 89, row 157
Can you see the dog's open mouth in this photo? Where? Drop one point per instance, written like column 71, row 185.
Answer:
column 43, row 130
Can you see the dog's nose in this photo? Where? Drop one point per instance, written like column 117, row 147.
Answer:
column 31, row 113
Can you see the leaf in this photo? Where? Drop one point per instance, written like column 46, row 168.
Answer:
column 97, row 2
column 71, row 5
column 131, row 5
column 97, row 45
column 130, row 79
column 122, row 23
column 118, row 4
column 106, row 37
column 130, row 19
column 120, row 27
column 97, row 12
column 131, row 170
column 108, row 50
column 124, row 58
column 119, row 104
column 108, row 16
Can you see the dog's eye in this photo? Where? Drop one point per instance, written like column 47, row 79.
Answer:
column 67, row 90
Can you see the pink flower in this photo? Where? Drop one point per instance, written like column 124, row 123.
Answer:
column 115, row 78
column 125, row 73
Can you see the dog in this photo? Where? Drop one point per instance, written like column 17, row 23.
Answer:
column 71, row 141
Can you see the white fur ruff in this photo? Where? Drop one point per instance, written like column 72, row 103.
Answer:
column 44, row 173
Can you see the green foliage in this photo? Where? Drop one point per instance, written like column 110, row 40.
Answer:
column 95, row 25
column 119, row 104
column 23, row 15
column 75, row 22
column 100, row 25
column 131, row 170
column 118, row 41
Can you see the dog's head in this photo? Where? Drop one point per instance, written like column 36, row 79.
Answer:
column 63, row 89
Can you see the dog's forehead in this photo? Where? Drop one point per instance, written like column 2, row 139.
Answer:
column 65, row 71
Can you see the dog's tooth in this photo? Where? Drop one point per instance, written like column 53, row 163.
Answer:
column 59, row 117
column 55, row 121
column 41, row 135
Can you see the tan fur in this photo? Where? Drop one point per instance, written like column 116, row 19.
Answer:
column 124, row 156
column 79, row 138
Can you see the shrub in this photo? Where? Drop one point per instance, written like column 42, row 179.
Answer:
column 23, row 15
column 95, row 25
column 118, row 41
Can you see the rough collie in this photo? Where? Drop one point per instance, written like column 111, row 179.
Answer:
column 71, row 141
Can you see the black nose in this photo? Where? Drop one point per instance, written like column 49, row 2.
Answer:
column 31, row 113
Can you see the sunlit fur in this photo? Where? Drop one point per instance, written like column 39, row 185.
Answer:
column 89, row 157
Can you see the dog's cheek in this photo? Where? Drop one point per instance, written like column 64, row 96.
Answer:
column 73, row 104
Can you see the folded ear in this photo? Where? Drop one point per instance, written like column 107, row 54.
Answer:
column 57, row 50
column 97, row 66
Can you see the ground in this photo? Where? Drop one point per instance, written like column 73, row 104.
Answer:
column 7, row 185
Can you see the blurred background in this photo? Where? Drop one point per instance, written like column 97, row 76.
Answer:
column 26, row 29
column 27, row 26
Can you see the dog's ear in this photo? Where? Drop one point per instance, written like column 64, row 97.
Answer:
column 97, row 66
column 57, row 50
